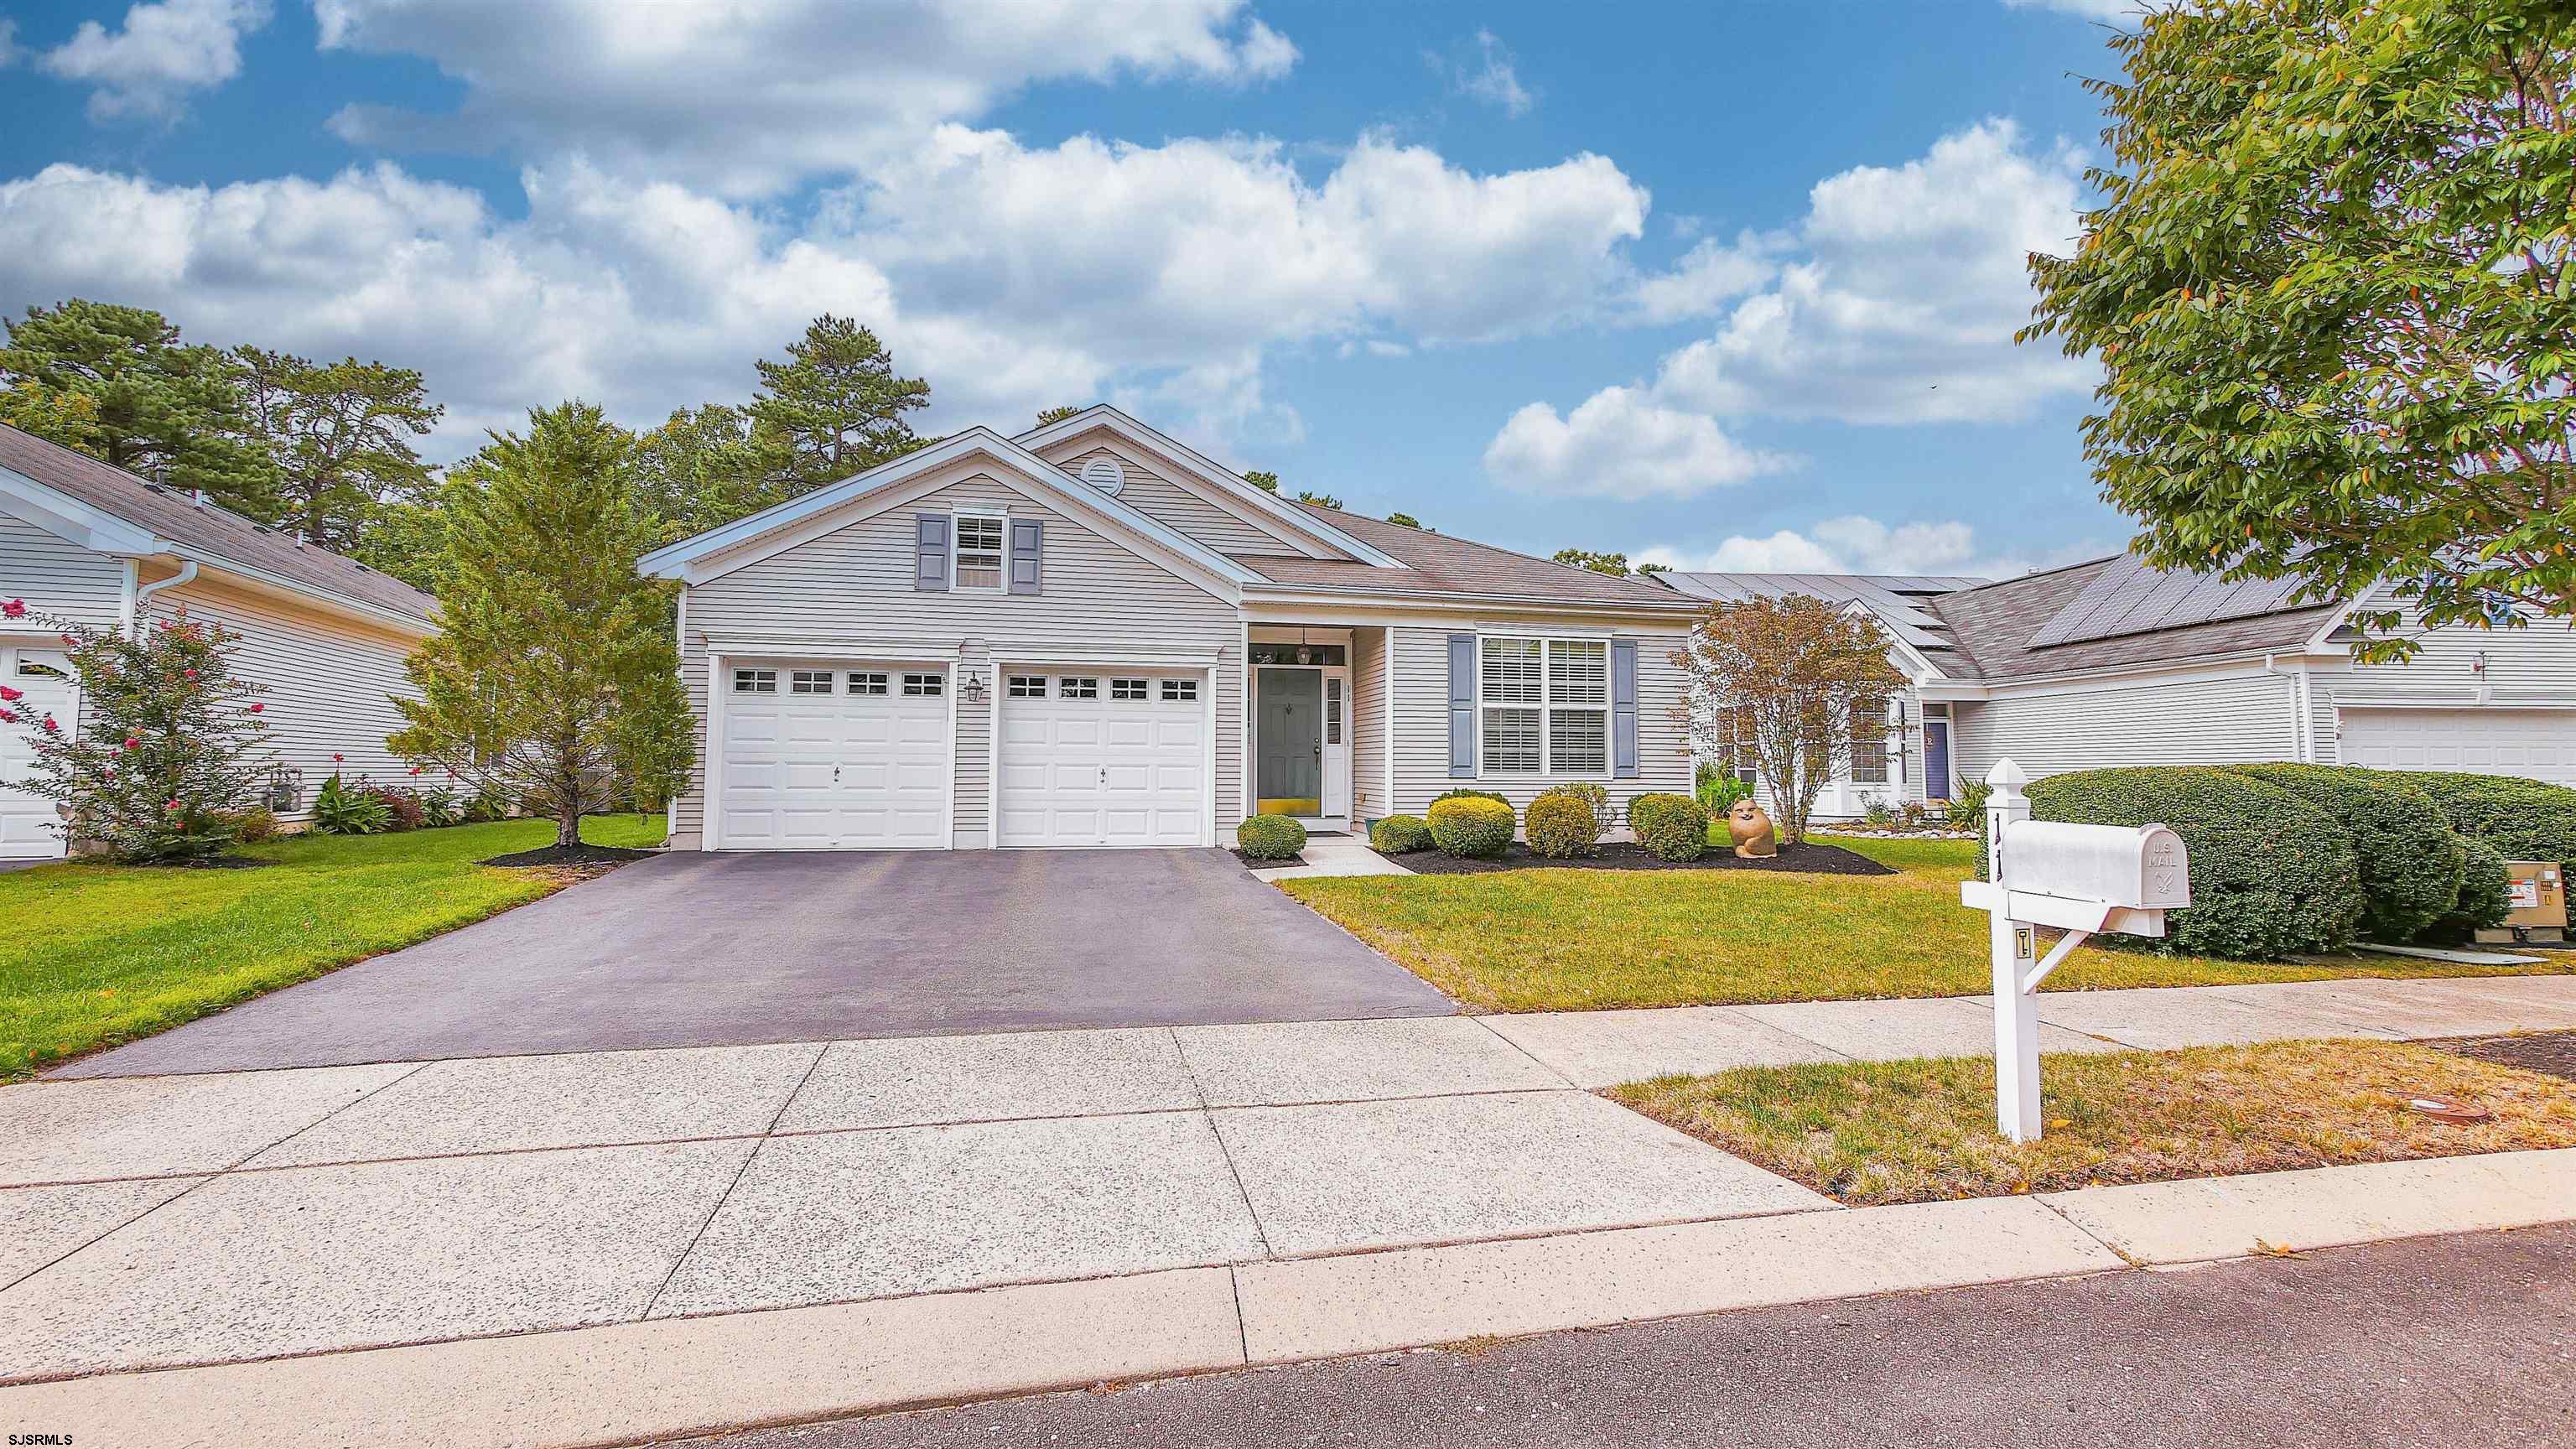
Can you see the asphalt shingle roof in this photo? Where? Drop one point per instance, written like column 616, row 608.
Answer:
column 1994, row 625
column 1438, row 564
column 221, row 535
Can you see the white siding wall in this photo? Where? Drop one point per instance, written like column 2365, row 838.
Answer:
column 856, row 582
column 330, row 681
column 58, row 578
column 1368, row 725
column 2240, row 718
column 1421, row 654
column 1169, row 503
column 2537, row 660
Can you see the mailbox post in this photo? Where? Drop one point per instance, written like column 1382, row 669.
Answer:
column 2079, row 878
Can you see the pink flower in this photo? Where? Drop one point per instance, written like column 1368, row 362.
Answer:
column 415, row 769
column 14, row 609
column 173, row 805
column 10, row 696
column 189, row 672
column 256, row 708
column 336, row 757
column 52, row 728
column 132, row 743
column 7, row 717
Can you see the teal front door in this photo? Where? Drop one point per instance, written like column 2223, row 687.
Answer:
column 1288, row 742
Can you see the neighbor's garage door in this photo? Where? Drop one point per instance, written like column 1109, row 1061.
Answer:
column 853, row 757
column 27, row 820
column 1103, row 757
column 2539, row 743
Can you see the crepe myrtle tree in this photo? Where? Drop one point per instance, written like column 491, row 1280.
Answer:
column 1790, row 675
column 2328, row 280
column 171, row 741
column 553, row 680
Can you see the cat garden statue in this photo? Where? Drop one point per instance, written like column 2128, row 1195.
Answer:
column 1752, row 831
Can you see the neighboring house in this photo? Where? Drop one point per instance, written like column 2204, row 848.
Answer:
column 1091, row 635
column 324, row 635
column 2111, row 662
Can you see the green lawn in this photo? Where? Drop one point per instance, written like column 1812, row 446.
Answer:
column 1582, row 940
column 1921, row 1131
column 93, row 955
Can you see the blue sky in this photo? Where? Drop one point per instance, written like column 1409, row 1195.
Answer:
column 1730, row 283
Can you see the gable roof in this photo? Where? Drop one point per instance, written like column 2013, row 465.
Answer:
column 2003, row 627
column 1901, row 602
column 167, row 520
column 676, row 561
column 1258, row 501
column 1437, row 565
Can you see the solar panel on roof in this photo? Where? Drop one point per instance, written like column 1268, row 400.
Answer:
column 2129, row 597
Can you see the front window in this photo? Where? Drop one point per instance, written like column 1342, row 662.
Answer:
column 1869, row 743
column 1544, row 706
column 979, row 550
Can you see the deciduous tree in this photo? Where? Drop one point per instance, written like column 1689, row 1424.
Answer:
column 1788, row 676
column 2331, row 288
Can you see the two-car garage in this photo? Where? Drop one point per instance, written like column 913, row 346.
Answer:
column 864, row 756
column 2538, row 743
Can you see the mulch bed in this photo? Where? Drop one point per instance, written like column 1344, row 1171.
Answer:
column 1251, row 864
column 2553, row 1052
column 576, row 856
column 1811, row 858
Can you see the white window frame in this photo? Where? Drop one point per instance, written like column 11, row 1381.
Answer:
column 755, row 681
column 1130, row 690
column 925, row 684
column 1027, row 686
column 1001, row 521
column 1180, row 691
column 867, row 683
column 810, row 681
column 1547, row 708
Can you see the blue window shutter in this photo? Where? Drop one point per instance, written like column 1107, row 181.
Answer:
column 930, row 552
column 1462, row 706
column 1623, row 709
column 1028, row 545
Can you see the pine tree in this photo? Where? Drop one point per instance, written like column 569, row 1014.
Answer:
column 837, row 402
column 337, row 437
column 552, row 679
column 169, row 412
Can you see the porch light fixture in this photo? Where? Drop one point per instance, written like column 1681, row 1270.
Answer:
column 972, row 682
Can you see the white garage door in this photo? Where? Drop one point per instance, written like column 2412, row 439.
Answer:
column 1103, row 757
column 27, row 820
column 2539, row 743
column 850, row 757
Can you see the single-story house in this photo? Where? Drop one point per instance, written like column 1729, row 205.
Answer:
column 324, row 635
column 2111, row 662
column 1092, row 635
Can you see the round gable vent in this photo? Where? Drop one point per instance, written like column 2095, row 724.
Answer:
column 1105, row 475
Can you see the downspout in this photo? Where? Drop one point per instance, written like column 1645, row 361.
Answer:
column 187, row 572
column 2300, row 745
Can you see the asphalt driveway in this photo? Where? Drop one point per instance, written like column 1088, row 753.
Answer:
column 693, row 949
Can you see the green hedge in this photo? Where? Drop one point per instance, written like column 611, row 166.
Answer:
column 2271, row 874
column 1471, row 826
column 2409, row 858
column 2522, row 819
column 1270, row 837
column 1672, row 827
column 1397, row 834
column 1561, row 825
column 1465, row 794
column 2484, row 899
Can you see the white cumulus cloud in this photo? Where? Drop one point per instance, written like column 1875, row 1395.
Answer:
column 1858, row 544
column 1620, row 444
column 161, row 52
column 1486, row 72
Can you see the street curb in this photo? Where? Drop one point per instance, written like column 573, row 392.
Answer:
column 669, row 1378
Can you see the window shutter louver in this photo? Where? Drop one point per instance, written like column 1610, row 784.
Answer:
column 930, row 552
column 1462, row 706
column 1623, row 709
column 1028, row 545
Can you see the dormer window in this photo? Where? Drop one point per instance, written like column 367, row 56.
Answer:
column 979, row 551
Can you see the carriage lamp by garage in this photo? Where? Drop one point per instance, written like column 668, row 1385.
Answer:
column 972, row 681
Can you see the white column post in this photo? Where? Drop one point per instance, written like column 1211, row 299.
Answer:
column 2014, row 947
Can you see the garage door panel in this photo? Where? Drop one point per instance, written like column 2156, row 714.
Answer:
column 1103, row 770
column 2537, row 743
column 835, row 770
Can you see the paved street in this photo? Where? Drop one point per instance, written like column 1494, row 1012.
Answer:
column 2467, row 1341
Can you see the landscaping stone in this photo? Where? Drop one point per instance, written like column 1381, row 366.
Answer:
column 917, row 1081
column 1348, row 1061
column 1371, row 1174
column 162, row 1126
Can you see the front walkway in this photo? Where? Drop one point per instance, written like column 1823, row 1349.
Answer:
column 1331, row 1186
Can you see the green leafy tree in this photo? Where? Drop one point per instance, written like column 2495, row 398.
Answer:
column 1613, row 564
column 2329, row 283
column 1320, row 500
column 1262, row 479
column 837, row 402
column 168, row 411
column 1403, row 519
column 708, row 466
column 171, row 741
column 1779, row 684
column 553, row 679
column 58, row 415
column 1048, row 416
column 337, row 437
column 408, row 541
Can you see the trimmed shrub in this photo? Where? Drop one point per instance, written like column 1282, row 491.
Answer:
column 1472, row 826
column 2409, row 858
column 2484, row 894
column 1463, row 794
column 1670, row 827
column 2522, row 819
column 256, row 824
column 348, row 810
column 1604, row 814
column 1561, row 825
column 1399, row 834
column 2271, row 874
column 1270, row 837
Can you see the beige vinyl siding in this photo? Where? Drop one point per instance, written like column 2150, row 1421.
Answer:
column 330, row 681
column 2535, row 663
column 1368, row 659
column 855, row 584
column 1174, row 506
column 59, row 578
column 2239, row 718
column 1421, row 656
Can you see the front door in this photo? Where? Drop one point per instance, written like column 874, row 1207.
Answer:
column 1936, row 759
column 1288, row 737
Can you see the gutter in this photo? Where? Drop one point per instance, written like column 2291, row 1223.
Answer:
column 2303, row 746
column 187, row 573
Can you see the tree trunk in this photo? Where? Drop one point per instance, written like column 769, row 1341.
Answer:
column 568, row 824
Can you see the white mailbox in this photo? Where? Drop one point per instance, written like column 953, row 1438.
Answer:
column 2081, row 879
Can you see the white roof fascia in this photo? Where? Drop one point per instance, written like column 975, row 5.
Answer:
column 74, row 521
column 1274, row 602
column 1104, row 416
column 675, row 560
